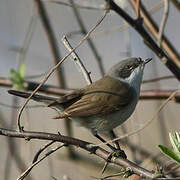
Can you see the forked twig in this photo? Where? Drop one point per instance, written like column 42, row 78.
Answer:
column 25, row 173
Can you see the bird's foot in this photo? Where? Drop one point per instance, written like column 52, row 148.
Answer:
column 118, row 153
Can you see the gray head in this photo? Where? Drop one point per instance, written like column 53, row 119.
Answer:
column 129, row 70
column 126, row 68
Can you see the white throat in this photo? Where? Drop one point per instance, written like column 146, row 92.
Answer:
column 135, row 79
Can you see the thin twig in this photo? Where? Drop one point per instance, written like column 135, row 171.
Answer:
column 41, row 150
column 138, row 4
column 25, row 173
column 163, row 22
column 77, row 61
column 55, row 67
column 176, row 4
column 147, row 123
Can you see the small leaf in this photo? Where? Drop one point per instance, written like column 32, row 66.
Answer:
column 170, row 153
column 22, row 70
column 174, row 142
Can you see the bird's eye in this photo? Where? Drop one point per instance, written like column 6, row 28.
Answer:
column 128, row 67
column 140, row 60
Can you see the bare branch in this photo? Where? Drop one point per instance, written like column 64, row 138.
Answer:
column 176, row 4
column 25, row 173
column 163, row 22
column 98, row 151
column 138, row 4
column 77, row 61
column 41, row 150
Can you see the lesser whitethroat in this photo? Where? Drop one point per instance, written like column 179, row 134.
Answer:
column 106, row 103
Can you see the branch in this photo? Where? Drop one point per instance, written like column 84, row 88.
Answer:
column 138, row 4
column 25, row 173
column 153, row 28
column 176, row 4
column 77, row 61
column 98, row 151
column 163, row 22
column 53, row 90
column 147, row 38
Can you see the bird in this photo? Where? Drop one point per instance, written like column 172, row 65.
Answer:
column 104, row 104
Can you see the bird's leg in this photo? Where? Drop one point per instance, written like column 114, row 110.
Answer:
column 104, row 141
column 119, row 151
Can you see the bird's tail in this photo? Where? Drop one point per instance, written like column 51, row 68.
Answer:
column 38, row 98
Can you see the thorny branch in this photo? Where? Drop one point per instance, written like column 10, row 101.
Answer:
column 98, row 151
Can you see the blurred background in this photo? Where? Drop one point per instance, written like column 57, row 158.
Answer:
column 24, row 38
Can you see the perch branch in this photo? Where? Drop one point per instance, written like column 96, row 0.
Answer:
column 98, row 151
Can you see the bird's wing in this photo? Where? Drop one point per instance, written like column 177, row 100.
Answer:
column 97, row 101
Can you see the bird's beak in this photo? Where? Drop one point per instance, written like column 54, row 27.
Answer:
column 147, row 60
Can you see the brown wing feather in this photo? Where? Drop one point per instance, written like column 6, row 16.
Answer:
column 98, row 98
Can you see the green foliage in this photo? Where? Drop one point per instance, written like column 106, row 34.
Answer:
column 17, row 77
column 175, row 142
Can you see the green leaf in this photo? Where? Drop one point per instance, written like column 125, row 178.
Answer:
column 17, row 77
column 170, row 153
column 22, row 70
column 174, row 138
